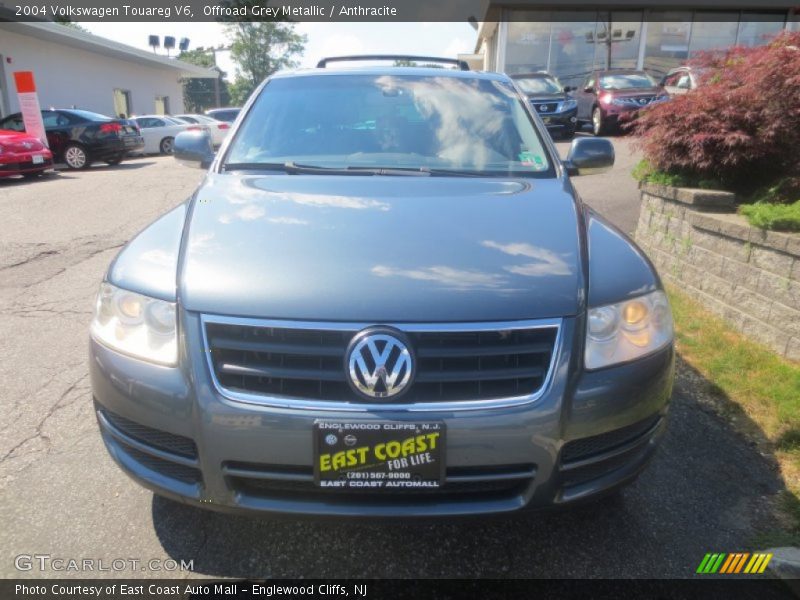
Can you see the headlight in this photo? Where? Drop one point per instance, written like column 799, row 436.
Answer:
column 625, row 331
column 136, row 325
column 567, row 105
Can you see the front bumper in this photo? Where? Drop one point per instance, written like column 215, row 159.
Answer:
column 563, row 123
column 21, row 163
column 173, row 432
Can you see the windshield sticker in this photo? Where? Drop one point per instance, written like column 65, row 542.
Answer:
column 529, row 159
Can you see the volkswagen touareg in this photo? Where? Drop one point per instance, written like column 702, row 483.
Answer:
column 385, row 298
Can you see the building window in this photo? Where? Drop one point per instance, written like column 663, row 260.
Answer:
column 123, row 107
column 162, row 105
column 617, row 40
column 667, row 44
column 758, row 29
column 572, row 50
column 713, row 31
column 528, row 43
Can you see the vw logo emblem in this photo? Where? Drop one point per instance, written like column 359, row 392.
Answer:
column 379, row 363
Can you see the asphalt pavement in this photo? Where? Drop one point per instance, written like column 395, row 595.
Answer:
column 60, row 494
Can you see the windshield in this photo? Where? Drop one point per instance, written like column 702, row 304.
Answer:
column 391, row 121
column 540, row 85
column 623, row 81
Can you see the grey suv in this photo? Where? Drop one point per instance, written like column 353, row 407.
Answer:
column 384, row 299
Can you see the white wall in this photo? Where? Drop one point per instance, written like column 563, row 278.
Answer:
column 68, row 76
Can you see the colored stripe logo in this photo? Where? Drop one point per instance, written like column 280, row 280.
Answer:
column 734, row 563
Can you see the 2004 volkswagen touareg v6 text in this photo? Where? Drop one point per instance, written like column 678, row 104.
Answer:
column 384, row 299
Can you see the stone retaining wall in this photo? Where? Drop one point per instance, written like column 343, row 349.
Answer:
column 748, row 276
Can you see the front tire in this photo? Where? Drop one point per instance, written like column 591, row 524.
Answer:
column 167, row 145
column 598, row 122
column 75, row 157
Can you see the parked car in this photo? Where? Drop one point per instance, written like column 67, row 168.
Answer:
column 80, row 137
column 228, row 115
column 159, row 132
column 552, row 101
column 607, row 96
column 23, row 154
column 384, row 299
column 217, row 129
column 681, row 80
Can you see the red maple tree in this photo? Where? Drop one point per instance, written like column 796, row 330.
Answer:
column 740, row 128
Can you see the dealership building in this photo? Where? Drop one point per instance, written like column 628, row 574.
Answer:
column 73, row 68
column 570, row 44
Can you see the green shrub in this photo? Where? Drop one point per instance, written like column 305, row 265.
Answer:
column 779, row 217
column 644, row 172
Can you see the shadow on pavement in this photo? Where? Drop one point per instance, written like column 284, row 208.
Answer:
column 706, row 491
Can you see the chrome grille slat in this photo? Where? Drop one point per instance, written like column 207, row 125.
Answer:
column 255, row 370
column 302, row 365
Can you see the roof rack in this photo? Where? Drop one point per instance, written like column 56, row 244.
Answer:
column 461, row 64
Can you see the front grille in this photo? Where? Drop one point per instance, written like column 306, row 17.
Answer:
column 161, row 440
column 297, row 482
column 308, row 363
column 637, row 101
column 545, row 107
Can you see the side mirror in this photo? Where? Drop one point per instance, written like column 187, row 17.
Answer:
column 588, row 156
column 589, row 89
column 194, row 149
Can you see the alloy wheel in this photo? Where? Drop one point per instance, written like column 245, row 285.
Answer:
column 75, row 157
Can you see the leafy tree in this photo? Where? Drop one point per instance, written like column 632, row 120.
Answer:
column 259, row 50
column 740, row 127
column 200, row 94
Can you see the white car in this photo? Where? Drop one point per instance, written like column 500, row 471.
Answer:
column 217, row 129
column 159, row 132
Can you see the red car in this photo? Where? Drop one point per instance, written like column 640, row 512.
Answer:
column 22, row 154
column 609, row 97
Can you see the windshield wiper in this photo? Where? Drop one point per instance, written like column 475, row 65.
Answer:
column 293, row 168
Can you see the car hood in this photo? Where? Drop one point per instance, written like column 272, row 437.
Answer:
column 547, row 97
column 381, row 249
column 634, row 92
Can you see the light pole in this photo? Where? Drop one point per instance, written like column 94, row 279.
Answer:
column 220, row 48
column 608, row 38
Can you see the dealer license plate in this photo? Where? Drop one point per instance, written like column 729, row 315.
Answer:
column 379, row 456
column 37, row 159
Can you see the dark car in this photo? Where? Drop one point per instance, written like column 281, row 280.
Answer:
column 552, row 101
column 80, row 137
column 384, row 299
column 227, row 115
column 608, row 97
column 23, row 154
